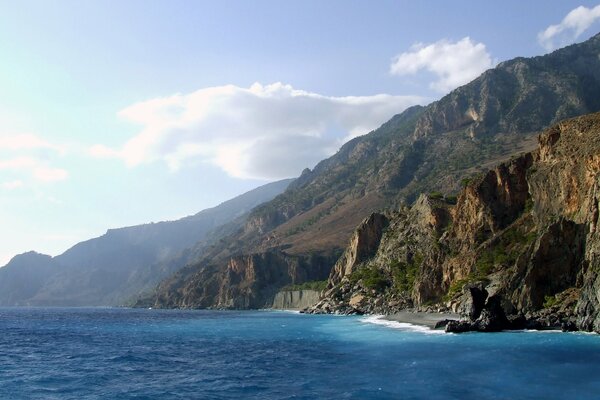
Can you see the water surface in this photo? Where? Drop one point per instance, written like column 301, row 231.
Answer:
column 125, row 353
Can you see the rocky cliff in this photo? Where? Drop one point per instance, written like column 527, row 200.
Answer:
column 421, row 150
column 246, row 281
column 295, row 299
column 519, row 248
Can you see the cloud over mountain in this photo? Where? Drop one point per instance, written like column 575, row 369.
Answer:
column 453, row 63
column 570, row 28
column 264, row 131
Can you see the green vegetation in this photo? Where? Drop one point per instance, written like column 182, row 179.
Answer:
column 451, row 199
column 436, row 195
column 549, row 301
column 505, row 251
column 404, row 274
column 371, row 277
column 465, row 182
column 528, row 205
column 457, row 286
column 311, row 285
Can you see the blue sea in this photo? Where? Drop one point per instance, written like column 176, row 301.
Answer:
column 54, row 353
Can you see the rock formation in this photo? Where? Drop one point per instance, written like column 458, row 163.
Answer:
column 519, row 248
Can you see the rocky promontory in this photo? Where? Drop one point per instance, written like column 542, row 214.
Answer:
column 517, row 248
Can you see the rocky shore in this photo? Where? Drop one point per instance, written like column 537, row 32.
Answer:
column 428, row 319
column 518, row 248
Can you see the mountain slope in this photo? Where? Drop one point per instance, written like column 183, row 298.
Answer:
column 110, row 269
column 519, row 248
column 24, row 276
column 423, row 149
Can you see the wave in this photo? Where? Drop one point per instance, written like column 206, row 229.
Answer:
column 404, row 326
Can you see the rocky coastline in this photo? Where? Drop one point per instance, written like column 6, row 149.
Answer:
column 518, row 249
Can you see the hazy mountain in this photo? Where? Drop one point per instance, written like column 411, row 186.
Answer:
column 422, row 150
column 115, row 266
column 24, row 276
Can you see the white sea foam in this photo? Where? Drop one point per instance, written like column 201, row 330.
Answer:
column 405, row 326
column 280, row 310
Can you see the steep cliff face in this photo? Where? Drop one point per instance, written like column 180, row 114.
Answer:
column 247, row 281
column 295, row 299
column 519, row 247
column 363, row 244
column 402, row 252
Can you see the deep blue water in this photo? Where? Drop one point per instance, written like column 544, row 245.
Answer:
column 123, row 353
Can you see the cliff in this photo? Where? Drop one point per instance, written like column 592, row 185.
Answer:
column 421, row 150
column 519, row 248
column 295, row 299
column 247, row 281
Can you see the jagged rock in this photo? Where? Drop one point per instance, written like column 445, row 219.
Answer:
column 363, row 244
column 492, row 317
column 443, row 323
column 356, row 300
column 473, row 300
column 454, row 326
column 569, row 326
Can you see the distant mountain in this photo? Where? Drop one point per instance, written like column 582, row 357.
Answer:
column 24, row 276
column 110, row 269
column 422, row 150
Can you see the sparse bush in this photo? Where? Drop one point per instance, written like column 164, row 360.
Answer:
column 311, row 285
column 549, row 301
column 371, row 277
column 436, row 195
column 451, row 199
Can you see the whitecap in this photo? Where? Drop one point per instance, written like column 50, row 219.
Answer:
column 405, row 326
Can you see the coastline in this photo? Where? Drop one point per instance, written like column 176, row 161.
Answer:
column 427, row 319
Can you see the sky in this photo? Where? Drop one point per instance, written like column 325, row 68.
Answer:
column 116, row 113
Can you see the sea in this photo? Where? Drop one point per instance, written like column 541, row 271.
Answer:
column 118, row 353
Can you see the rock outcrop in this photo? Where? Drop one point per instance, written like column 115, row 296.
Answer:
column 247, row 281
column 519, row 248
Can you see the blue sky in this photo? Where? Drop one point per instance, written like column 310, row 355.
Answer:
column 114, row 113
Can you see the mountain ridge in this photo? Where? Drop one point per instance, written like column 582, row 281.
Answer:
column 519, row 249
column 110, row 269
column 424, row 149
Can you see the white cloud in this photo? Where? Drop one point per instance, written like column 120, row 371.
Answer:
column 268, row 132
column 11, row 185
column 570, row 28
column 27, row 141
column 454, row 63
column 34, row 167
column 29, row 155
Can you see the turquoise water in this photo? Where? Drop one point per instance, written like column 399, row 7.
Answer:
column 123, row 353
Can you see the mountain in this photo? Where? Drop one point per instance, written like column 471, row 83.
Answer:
column 520, row 248
column 110, row 269
column 24, row 276
column 423, row 150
